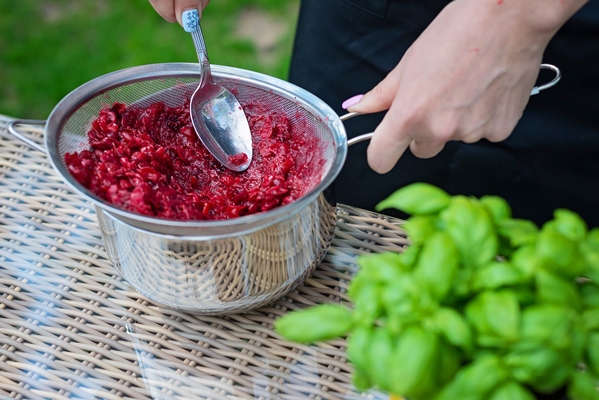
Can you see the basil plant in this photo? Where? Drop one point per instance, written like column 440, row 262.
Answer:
column 480, row 305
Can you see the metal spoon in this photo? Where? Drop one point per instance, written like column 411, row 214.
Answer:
column 216, row 115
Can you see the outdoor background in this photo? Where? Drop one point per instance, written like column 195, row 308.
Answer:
column 50, row 47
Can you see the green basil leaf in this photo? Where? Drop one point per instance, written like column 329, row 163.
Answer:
column 464, row 283
column 375, row 270
column 401, row 302
column 357, row 285
column 498, row 274
column 476, row 380
column 318, row 323
column 409, row 256
column 502, row 312
column 554, row 379
column 592, row 266
column 569, row 224
column 471, row 229
column 512, row 390
column 416, row 199
column 454, row 328
column 437, row 264
column 449, row 362
column 476, row 315
column 589, row 249
column 368, row 306
column 547, row 325
column 529, row 366
column 519, row 232
column 360, row 380
column 492, row 341
column 582, row 387
column 590, row 295
column 558, row 250
column 419, row 227
column 381, row 267
column 526, row 261
column 590, row 318
column 498, row 208
column 416, row 355
column 358, row 350
column 381, row 357
column 592, row 353
column 592, row 238
column 557, row 290
column 578, row 340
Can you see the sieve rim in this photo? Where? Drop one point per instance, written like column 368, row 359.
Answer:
column 79, row 96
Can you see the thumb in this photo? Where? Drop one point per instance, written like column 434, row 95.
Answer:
column 182, row 5
column 378, row 98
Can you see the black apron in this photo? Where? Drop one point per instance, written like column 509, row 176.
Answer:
column 551, row 160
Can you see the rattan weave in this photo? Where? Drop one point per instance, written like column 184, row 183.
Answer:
column 71, row 328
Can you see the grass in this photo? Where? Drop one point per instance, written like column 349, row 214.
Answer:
column 50, row 47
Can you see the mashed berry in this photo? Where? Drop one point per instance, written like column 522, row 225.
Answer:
column 150, row 161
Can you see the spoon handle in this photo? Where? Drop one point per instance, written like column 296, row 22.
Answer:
column 191, row 24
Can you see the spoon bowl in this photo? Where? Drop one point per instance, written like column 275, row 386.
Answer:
column 216, row 114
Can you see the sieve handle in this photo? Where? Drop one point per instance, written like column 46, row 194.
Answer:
column 357, row 139
column 535, row 90
column 12, row 128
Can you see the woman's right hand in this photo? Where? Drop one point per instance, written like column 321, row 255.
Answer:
column 171, row 10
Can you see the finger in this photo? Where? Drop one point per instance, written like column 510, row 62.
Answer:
column 505, row 127
column 165, row 8
column 426, row 149
column 171, row 10
column 380, row 97
column 387, row 145
column 433, row 133
column 182, row 5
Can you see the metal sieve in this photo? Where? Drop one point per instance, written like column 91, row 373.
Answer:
column 207, row 267
column 69, row 122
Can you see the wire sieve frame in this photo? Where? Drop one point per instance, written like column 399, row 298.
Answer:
column 231, row 77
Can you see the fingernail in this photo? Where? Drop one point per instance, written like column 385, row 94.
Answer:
column 190, row 19
column 352, row 101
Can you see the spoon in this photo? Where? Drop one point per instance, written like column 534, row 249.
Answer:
column 216, row 115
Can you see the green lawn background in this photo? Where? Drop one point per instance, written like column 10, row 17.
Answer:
column 50, row 47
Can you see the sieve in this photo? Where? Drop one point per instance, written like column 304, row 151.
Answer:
column 207, row 267
column 67, row 126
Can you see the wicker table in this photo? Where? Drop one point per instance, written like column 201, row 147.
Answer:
column 70, row 327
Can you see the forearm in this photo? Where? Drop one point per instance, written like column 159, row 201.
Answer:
column 512, row 26
column 540, row 17
column 549, row 15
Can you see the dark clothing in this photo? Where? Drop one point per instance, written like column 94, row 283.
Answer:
column 551, row 160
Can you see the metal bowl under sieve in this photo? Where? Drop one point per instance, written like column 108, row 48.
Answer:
column 208, row 267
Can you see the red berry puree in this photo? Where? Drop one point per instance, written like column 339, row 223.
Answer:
column 150, row 161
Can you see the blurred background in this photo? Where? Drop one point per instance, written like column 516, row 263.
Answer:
column 50, row 47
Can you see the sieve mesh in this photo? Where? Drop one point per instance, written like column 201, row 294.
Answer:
column 173, row 84
column 173, row 92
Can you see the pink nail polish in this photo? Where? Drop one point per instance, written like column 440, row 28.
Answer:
column 352, row 101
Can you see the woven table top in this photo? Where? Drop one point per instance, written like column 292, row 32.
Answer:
column 71, row 328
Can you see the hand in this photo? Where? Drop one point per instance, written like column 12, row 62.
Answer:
column 467, row 77
column 171, row 10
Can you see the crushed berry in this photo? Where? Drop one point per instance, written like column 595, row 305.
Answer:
column 238, row 159
column 150, row 161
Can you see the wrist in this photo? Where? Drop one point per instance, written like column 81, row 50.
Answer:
column 527, row 25
column 538, row 17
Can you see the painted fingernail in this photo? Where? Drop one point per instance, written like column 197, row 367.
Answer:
column 352, row 101
column 190, row 19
